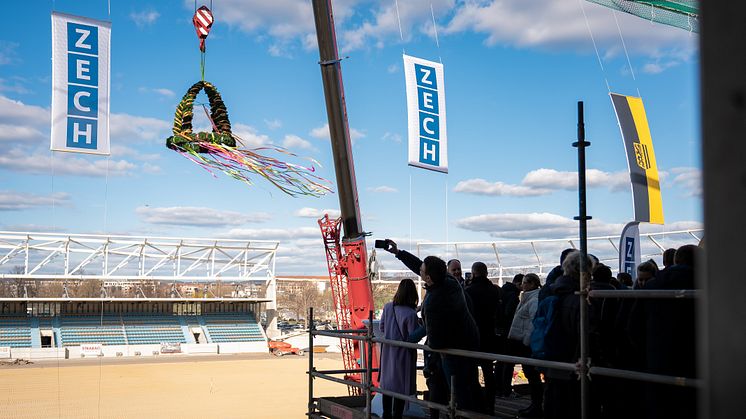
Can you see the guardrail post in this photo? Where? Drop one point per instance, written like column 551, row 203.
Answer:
column 311, row 406
column 452, row 401
column 369, row 368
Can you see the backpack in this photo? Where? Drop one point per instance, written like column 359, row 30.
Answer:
column 543, row 321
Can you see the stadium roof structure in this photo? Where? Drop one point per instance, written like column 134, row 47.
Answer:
column 53, row 256
column 682, row 14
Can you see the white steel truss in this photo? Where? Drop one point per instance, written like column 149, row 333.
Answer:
column 51, row 256
column 506, row 258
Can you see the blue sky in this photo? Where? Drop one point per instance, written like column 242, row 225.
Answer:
column 514, row 70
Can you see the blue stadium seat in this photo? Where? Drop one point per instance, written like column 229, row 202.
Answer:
column 15, row 331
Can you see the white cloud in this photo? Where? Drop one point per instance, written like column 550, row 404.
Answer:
column 689, row 179
column 384, row 24
column 391, row 136
column 273, row 123
column 118, row 150
column 533, row 226
column 322, row 133
column 544, row 181
column 282, row 19
column 31, row 122
column 249, row 136
column 39, row 162
column 554, row 179
column 483, row 187
column 295, row 142
column 167, row 93
column 130, row 128
column 17, row 133
column 8, row 54
column 151, row 169
column 198, row 216
column 144, row 18
column 393, row 68
column 17, row 113
column 10, row 200
column 308, row 212
column 14, row 86
column 275, row 233
column 552, row 226
column 383, row 189
column 562, row 24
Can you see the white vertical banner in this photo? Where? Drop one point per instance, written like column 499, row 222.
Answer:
column 80, row 84
column 629, row 249
column 426, row 110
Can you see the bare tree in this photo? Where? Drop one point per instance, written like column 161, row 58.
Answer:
column 17, row 284
column 382, row 294
column 304, row 296
column 51, row 289
column 88, row 288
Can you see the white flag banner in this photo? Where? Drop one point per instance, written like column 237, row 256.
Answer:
column 426, row 110
column 629, row 249
column 80, row 84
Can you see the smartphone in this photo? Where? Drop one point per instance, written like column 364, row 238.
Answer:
column 381, row 244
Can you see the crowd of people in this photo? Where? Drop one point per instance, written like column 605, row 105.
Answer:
column 523, row 318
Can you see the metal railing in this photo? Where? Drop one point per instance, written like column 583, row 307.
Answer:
column 451, row 409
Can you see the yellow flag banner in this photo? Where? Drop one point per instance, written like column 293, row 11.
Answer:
column 643, row 170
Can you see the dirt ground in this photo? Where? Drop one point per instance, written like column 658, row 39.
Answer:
column 258, row 386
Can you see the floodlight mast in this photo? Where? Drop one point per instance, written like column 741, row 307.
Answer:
column 348, row 270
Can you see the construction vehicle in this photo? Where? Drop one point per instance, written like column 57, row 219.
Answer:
column 280, row 348
column 344, row 238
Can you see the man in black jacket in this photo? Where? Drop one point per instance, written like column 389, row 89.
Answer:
column 485, row 300
column 668, row 327
column 448, row 323
column 562, row 395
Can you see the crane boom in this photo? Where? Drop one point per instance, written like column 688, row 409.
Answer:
column 347, row 261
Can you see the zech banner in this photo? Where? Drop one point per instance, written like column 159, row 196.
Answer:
column 426, row 110
column 629, row 249
column 80, row 84
column 643, row 170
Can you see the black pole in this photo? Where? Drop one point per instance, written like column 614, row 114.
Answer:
column 582, row 218
column 336, row 109
column 311, row 406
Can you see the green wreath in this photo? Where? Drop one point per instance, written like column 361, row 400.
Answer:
column 184, row 138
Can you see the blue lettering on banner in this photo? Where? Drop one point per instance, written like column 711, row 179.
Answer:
column 82, row 89
column 82, row 69
column 82, row 133
column 82, row 38
column 428, row 105
column 429, row 151
column 425, row 76
column 82, row 101
column 429, row 126
column 427, row 100
column 629, row 255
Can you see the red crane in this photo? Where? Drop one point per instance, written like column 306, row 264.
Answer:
column 346, row 254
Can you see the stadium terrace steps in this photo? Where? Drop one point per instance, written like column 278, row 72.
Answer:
column 153, row 329
column 15, row 331
column 106, row 329
column 237, row 327
column 131, row 329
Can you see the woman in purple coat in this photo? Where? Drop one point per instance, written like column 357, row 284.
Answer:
column 398, row 365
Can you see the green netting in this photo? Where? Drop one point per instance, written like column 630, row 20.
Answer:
column 682, row 14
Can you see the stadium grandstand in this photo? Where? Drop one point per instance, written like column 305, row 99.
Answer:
column 74, row 327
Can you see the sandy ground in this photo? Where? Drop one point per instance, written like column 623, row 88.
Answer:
column 258, row 386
